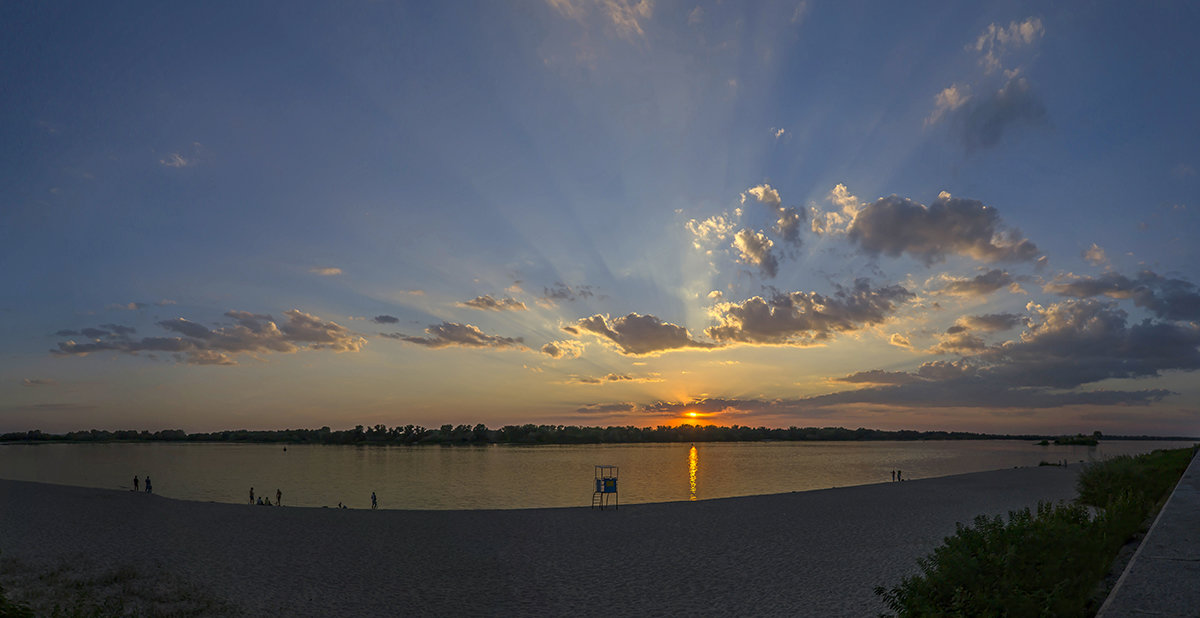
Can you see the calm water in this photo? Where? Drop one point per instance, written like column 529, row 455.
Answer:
column 504, row 477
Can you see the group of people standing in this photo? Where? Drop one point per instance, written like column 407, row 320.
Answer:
column 149, row 487
column 897, row 475
column 267, row 501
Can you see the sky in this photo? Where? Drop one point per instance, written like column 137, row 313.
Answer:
column 923, row 215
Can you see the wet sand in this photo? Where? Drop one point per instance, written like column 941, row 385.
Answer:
column 816, row 553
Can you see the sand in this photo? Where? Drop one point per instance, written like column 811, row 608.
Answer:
column 817, row 553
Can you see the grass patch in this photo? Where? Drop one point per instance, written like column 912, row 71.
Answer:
column 1043, row 562
column 81, row 588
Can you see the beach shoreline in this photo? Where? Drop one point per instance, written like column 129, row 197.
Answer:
column 817, row 552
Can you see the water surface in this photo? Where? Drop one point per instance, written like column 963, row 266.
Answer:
column 504, row 476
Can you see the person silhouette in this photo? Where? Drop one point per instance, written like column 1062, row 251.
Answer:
column 374, row 502
column 278, row 498
column 149, row 490
column 135, row 482
column 251, row 495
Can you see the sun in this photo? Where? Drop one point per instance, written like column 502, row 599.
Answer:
column 693, row 414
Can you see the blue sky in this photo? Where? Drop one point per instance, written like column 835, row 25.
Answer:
column 933, row 215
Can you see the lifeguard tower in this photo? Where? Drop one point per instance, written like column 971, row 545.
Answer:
column 606, row 488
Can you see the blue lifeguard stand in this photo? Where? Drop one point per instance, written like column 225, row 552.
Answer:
column 606, row 488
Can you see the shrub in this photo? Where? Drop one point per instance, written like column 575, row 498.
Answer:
column 1043, row 563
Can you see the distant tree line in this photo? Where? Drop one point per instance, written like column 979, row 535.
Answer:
column 530, row 434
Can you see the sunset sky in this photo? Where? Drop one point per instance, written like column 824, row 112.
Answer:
column 930, row 215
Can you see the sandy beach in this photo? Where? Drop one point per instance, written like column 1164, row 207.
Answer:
column 817, row 553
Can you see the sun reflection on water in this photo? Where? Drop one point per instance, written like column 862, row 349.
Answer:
column 693, row 464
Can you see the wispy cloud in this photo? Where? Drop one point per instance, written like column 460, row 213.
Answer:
column 325, row 271
column 488, row 303
column 194, row 343
column 454, row 334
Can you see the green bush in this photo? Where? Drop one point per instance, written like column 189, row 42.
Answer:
column 1044, row 563
column 993, row 568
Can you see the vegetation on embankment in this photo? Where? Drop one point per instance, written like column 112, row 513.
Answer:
column 525, row 434
column 1044, row 562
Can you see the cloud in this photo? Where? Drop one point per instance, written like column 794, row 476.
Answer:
column 38, row 382
column 1095, row 254
column 837, row 221
column 948, row 100
column 800, row 12
column 624, row 16
column 327, row 271
column 488, row 303
column 627, row 16
column 979, row 285
column 1171, row 299
column 991, row 322
column 561, row 291
column 128, row 306
column 565, row 349
column 197, row 344
column 997, row 41
column 983, row 121
column 804, row 318
column 895, row 225
column 899, row 341
column 451, row 334
column 778, row 133
column 754, row 248
column 788, row 221
column 710, row 231
column 606, row 408
column 765, row 194
column 613, row 377
column 385, row 319
column 188, row 158
column 1083, row 341
column 638, row 335
column 879, row 376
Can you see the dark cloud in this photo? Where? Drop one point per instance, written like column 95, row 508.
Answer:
column 789, row 219
column 448, row 334
column 983, row 121
column 979, row 285
column 606, row 408
column 186, row 328
column 879, row 376
column 638, row 335
column 894, row 225
column 385, row 319
column 614, row 377
column 563, row 349
column 1066, row 346
column 198, row 344
column 959, row 338
column 488, row 303
column 1171, row 299
column 561, row 291
column 1083, row 341
column 788, row 224
column 804, row 318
